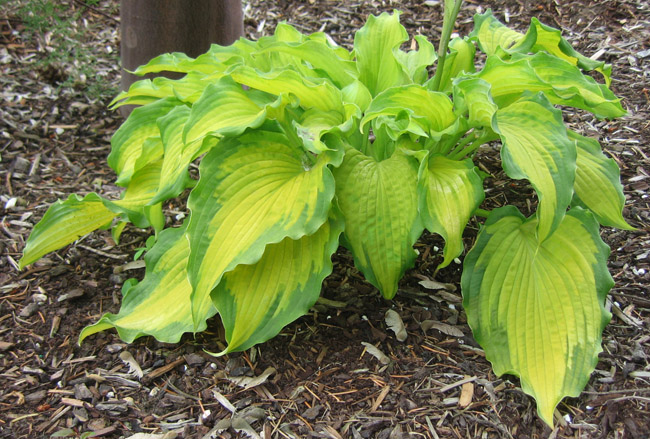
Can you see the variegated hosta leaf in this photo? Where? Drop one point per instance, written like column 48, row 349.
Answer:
column 473, row 95
column 313, row 124
column 322, row 94
column 216, row 59
column 374, row 47
column 379, row 204
column 429, row 111
column 224, row 108
column 65, row 222
column 449, row 192
column 494, row 37
column 550, row 40
column 536, row 147
column 160, row 305
column 136, row 201
column 322, row 59
column 415, row 62
column 177, row 154
column 127, row 142
column 537, row 308
column 358, row 94
column 561, row 82
column 186, row 89
column 253, row 191
column 598, row 185
column 256, row 301
column 460, row 59
column 571, row 89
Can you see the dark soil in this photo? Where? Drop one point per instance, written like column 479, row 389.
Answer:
column 322, row 382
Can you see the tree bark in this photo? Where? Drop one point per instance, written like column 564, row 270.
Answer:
column 152, row 27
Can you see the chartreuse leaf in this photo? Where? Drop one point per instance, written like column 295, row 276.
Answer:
column 186, row 89
column 536, row 147
column 224, row 108
column 415, row 62
column 160, row 305
column 460, row 59
column 573, row 88
column 561, row 82
column 374, row 47
column 127, row 142
column 492, row 35
column 216, row 59
column 496, row 38
column 322, row 59
column 429, row 111
column 256, row 301
column 322, row 94
column 253, row 191
column 449, row 191
column 136, row 201
column 65, row 222
column 177, row 154
column 473, row 95
column 313, row 123
column 550, row 40
column 598, row 185
column 537, row 308
column 378, row 200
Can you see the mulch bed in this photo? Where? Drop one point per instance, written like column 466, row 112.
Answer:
column 317, row 378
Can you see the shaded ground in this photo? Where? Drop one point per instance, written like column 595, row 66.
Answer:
column 321, row 382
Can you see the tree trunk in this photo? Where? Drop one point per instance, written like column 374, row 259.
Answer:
column 153, row 27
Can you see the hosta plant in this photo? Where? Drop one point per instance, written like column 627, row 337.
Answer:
column 305, row 145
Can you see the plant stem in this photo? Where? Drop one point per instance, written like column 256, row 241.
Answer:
column 482, row 213
column 456, row 144
column 462, row 150
column 296, row 141
column 447, row 27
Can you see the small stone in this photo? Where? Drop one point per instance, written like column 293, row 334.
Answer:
column 29, row 310
column 81, row 392
column 81, row 414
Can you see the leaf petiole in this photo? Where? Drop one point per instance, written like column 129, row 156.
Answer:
column 451, row 12
column 464, row 150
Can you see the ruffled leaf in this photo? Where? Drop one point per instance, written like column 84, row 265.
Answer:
column 536, row 147
column 160, row 305
column 374, row 47
column 449, row 192
column 253, row 191
column 598, row 183
column 65, row 222
column 256, row 301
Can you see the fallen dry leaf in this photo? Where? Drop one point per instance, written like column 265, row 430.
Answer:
column 396, row 324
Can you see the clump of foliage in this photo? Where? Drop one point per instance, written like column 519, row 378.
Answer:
column 305, row 145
